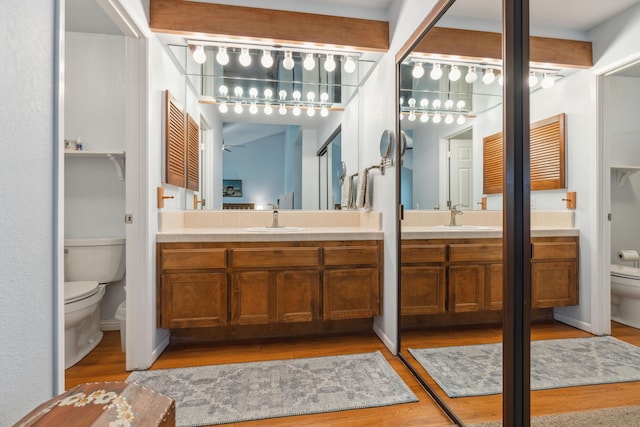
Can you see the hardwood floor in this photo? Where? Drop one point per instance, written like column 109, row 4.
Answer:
column 107, row 363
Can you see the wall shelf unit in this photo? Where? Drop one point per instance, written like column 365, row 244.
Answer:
column 116, row 157
column 624, row 172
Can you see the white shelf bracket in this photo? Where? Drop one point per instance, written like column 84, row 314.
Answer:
column 118, row 163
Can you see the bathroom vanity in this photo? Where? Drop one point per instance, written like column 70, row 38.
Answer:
column 278, row 281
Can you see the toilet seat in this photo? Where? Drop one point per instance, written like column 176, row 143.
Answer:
column 76, row 291
column 625, row 271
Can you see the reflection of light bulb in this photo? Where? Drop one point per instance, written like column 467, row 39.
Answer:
column 311, row 96
column 224, row 91
column 349, row 65
column 238, row 108
column 311, row 112
column 436, row 103
column 223, row 108
column 287, row 62
column 296, row 110
column 488, row 76
column 547, row 81
column 267, row 109
column 324, row 97
column 424, row 102
column 471, row 75
column 501, row 80
column 461, row 119
column 437, row 118
column 222, row 56
column 412, row 116
column 424, row 118
column 329, row 63
column 296, row 95
column 245, row 58
column 461, row 104
column 198, row 54
column 448, row 119
column 448, row 104
column 282, row 110
column 418, row 70
column 282, row 94
column 268, row 93
column 238, row 91
column 454, row 74
column 309, row 63
column 324, row 112
column 533, row 79
column 412, row 102
column 253, row 109
column 253, row 92
column 436, row 72
column 267, row 59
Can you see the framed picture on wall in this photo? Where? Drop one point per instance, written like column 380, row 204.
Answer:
column 231, row 188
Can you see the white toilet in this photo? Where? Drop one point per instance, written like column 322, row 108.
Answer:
column 89, row 265
column 625, row 295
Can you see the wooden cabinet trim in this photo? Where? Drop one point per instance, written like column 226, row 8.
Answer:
column 274, row 257
column 414, row 254
column 475, row 252
column 351, row 255
column 182, row 259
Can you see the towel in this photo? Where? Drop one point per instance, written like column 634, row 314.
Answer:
column 362, row 188
column 353, row 184
column 368, row 194
column 346, row 193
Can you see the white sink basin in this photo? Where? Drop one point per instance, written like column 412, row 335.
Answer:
column 462, row 227
column 274, row 230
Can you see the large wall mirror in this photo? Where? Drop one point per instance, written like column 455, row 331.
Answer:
column 278, row 122
column 450, row 101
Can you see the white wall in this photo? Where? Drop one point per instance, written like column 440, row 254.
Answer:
column 28, row 317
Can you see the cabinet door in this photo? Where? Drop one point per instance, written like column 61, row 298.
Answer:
column 351, row 293
column 253, row 297
column 466, row 288
column 423, row 290
column 494, row 286
column 554, row 284
column 191, row 300
column 298, row 296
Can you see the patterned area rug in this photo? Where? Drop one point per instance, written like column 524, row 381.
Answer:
column 476, row 370
column 220, row 394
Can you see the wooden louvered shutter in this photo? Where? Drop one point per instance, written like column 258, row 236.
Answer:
column 547, row 157
column 193, row 154
column 175, row 139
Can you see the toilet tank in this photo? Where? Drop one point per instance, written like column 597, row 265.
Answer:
column 99, row 259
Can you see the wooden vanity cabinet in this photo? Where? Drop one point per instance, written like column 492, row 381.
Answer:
column 226, row 284
column 554, row 272
column 423, row 278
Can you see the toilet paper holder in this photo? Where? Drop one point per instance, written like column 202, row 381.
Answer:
column 629, row 255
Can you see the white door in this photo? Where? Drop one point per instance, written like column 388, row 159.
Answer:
column 461, row 173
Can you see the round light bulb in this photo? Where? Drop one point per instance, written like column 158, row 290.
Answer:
column 245, row 58
column 329, row 63
column 437, row 118
column 424, row 118
column 471, row 75
column 454, row 74
column 460, row 104
column 296, row 95
column 418, row 70
column 412, row 102
column 436, row 72
column 223, row 108
column 424, row 102
column 547, row 81
column 309, row 63
column 448, row 104
column 287, row 62
column 282, row 94
column 268, row 109
column 222, row 56
column 412, row 116
column 296, row 110
column 198, row 54
column 324, row 97
column 282, row 110
column 311, row 96
column 324, row 112
column 253, row 109
column 253, row 92
column 436, row 103
column 401, row 100
column 238, row 91
column 501, row 80
column 267, row 59
column 488, row 77
column 224, row 91
column 533, row 79
column 448, row 119
column 311, row 112
column 349, row 65
column 238, row 108
column 461, row 119
column 268, row 93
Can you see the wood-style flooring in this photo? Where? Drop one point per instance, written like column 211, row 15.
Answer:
column 107, row 363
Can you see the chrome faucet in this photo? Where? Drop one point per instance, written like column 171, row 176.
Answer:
column 274, row 223
column 454, row 211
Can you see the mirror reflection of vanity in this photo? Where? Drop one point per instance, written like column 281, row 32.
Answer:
column 451, row 260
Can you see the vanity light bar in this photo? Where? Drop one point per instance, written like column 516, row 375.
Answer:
column 270, row 107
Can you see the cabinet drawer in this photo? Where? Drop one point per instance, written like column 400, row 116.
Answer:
column 554, row 250
column 193, row 258
column 275, row 257
column 423, row 253
column 351, row 255
column 475, row 252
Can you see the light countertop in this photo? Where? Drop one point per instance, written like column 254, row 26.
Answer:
column 190, row 234
column 439, row 232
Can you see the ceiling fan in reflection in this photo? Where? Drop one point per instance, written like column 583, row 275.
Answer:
column 226, row 147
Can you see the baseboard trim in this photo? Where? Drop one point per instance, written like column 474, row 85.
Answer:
column 110, row 324
column 573, row 322
column 385, row 339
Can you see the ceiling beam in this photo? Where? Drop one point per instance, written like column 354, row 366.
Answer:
column 477, row 45
column 192, row 18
